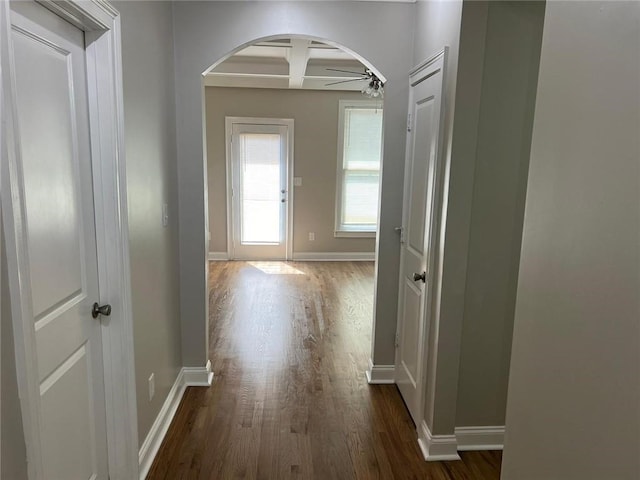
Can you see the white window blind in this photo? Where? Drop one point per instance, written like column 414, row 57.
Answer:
column 359, row 167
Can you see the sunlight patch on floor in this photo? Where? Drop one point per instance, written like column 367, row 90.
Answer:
column 276, row 268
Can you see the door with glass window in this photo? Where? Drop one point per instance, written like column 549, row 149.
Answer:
column 259, row 156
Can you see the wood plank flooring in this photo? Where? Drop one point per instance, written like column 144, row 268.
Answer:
column 289, row 345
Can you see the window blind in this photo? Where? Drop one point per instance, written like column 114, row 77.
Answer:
column 362, row 152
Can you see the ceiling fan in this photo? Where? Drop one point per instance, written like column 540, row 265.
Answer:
column 374, row 88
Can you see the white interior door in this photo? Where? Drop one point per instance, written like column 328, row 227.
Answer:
column 259, row 191
column 57, row 246
column 417, row 252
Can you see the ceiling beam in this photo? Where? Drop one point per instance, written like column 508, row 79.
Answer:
column 298, row 55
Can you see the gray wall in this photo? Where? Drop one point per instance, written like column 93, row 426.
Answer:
column 147, row 51
column 13, row 450
column 315, row 115
column 208, row 31
column 512, row 34
column 573, row 407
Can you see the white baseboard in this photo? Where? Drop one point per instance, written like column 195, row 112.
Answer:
column 311, row 257
column 198, row 376
column 436, row 448
column 380, row 374
column 188, row 376
column 159, row 428
column 480, row 438
column 334, row 256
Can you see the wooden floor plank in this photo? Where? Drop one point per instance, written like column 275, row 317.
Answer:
column 290, row 342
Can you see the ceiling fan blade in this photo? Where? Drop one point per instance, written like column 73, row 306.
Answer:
column 348, row 71
column 345, row 81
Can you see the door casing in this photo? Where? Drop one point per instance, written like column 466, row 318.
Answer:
column 101, row 24
column 432, row 289
column 289, row 123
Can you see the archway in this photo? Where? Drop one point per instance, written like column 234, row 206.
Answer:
column 207, row 32
column 218, row 232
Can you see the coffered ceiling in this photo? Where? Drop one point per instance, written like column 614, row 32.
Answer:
column 295, row 63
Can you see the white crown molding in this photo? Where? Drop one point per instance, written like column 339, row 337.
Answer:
column 380, row 374
column 334, row 256
column 436, row 448
column 480, row 438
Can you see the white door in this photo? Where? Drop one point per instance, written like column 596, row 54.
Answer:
column 259, row 191
column 56, row 233
column 417, row 257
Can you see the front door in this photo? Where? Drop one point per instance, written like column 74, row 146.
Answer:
column 416, row 274
column 259, row 191
column 56, row 237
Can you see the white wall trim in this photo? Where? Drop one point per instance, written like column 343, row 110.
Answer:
column 334, row 256
column 188, row 377
column 424, row 64
column 198, row 376
column 218, row 256
column 158, row 430
column 380, row 374
column 436, row 448
column 480, row 438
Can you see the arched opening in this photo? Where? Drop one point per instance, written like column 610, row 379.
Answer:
column 349, row 88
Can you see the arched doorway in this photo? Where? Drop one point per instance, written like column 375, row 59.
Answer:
column 262, row 82
column 208, row 32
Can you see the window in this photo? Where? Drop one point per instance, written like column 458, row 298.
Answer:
column 358, row 179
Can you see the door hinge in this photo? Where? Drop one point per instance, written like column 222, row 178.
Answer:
column 408, row 122
column 400, row 230
column 397, row 339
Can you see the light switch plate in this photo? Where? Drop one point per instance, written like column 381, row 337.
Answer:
column 297, row 181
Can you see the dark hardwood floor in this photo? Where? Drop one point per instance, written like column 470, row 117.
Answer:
column 289, row 345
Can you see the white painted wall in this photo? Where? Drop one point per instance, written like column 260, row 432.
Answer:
column 208, row 31
column 573, row 410
column 149, row 115
column 315, row 115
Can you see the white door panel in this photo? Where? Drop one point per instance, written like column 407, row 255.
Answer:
column 58, row 232
column 417, row 250
column 259, row 190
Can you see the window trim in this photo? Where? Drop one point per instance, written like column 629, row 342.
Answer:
column 339, row 229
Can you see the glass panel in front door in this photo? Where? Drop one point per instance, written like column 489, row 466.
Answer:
column 260, row 188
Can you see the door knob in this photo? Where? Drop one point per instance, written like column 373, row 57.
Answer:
column 100, row 310
column 418, row 276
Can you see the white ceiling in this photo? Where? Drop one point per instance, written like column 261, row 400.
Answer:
column 296, row 63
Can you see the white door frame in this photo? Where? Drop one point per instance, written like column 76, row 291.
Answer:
column 101, row 24
column 429, row 358
column 289, row 123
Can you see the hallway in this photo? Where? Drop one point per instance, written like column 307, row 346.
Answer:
column 289, row 345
